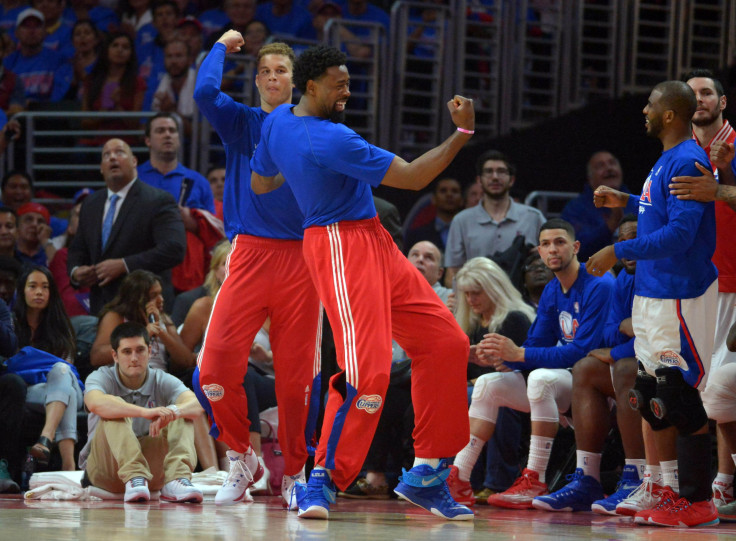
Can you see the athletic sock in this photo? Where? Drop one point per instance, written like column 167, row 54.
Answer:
column 590, row 463
column 655, row 471
column 466, row 459
column 669, row 474
column 540, row 449
column 639, row 463
column 434, row 462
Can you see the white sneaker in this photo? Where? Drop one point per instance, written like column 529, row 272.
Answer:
column 181, row 490
column 136, row 490
column 262, row 485
column 288, row 483
column 239, row 477
column 643, row 498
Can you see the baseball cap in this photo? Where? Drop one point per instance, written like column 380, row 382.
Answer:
column 29, row 12
column 81, row 194
column 38, row 208
column 189, row 19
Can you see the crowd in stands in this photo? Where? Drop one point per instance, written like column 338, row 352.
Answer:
column 145, row 257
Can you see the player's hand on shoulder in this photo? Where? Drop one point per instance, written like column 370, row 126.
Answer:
column 462, row 112
column 232, row 40
column 722, row 154
column 701, row 189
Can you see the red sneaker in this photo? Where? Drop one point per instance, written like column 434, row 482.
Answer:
column 685, row 513
column 666, row 498
column 461, row 491
column 521, row 493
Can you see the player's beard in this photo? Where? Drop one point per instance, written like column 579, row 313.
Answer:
column 710, row 119
column 338, row 117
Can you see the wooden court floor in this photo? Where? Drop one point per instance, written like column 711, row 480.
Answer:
column 350, row 520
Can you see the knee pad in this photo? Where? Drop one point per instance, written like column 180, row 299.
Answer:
column 678, row 402
column 640, row 397
column 484, row 385
column 540, row 385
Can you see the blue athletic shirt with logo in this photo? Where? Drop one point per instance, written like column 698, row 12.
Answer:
column 622, row 302
column 675, row 238
column 568, row 325
column 329, row 167
column 273, row 215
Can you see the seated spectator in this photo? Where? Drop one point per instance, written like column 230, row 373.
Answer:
column 216, row 178
column 9, row 14
column 157, row 448
column 10, row 269
column 139, row 300
column 58, row 30
column 254, row 37
column 42, row 324
column 12, row 91
column 238, row 14
column 34, row 232
column 175, row 92
column 284, row 18
column 595, row 227
column 16, row 189
column 487, row 302
column 151, row 53
column 569, row 323
column 364, row 11
column 536, row 276
column 76, row 300
column 213, row 19
column 102, row 17
column 86, row 40
column 190, row 31
column 113, row 85
column 44, row 72
column 473, row 194
column 135, row 15
column 8, row 233
column 447, row 199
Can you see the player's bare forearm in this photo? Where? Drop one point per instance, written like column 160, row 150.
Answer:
column 261, row 185
column 416, row 174
column 727, row 194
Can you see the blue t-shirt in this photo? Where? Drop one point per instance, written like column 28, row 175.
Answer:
column 373, row 14
column 151, row 68
column 45, row 75
column 61, row 41
column 622, row 301
column 200, row 196
column 272, row 215
column 329, row 167
column 675, row 239
column 8, row 18
column 568, row 325
column 297, row 23
column 212, row 20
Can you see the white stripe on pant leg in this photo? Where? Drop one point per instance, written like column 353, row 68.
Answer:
column 214, row 301
column 317, row 364
column 343, row 304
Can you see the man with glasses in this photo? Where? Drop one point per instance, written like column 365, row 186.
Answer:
column 495, row 222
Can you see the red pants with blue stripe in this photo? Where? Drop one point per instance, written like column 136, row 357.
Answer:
column 266, row 278
column 371, row 292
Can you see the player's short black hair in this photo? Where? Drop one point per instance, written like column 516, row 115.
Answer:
column 559, row 223
column 706, row 74
column 678, row 97
column 313, row 63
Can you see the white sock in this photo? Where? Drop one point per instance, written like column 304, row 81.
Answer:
column 640, row 465
column 434, row 462
column 669, row 475
column 466, row 459
column 590, row 463
column 655, row 472
column 540, row 448
column 724, row 483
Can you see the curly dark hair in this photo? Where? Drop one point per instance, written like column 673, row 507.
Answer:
column 55, row 333
column 313, row 63
column 130, row 302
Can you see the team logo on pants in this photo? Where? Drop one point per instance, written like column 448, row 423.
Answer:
column 369, row 403
column 672, row 358
column 213, row 392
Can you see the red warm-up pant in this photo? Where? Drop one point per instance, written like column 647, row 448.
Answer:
column 265, row 278
column 370, row 292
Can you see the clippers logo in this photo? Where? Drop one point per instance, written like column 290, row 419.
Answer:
column 672, row 358
column 646, row 192
column 213, row 392
column 568, row 325
column 370, row 403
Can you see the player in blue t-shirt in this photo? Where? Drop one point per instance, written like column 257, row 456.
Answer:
column 369, row 289
column 674, row 312
column 266, row 278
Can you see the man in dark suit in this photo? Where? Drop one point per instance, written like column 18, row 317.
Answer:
column 127, row 226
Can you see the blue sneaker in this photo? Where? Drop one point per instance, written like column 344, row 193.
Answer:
column 320, row 493
column 426, row 487
column 629, row 483
column 578, row 495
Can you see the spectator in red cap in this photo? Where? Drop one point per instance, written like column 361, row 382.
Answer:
column 34, row 232
column 191, row 31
